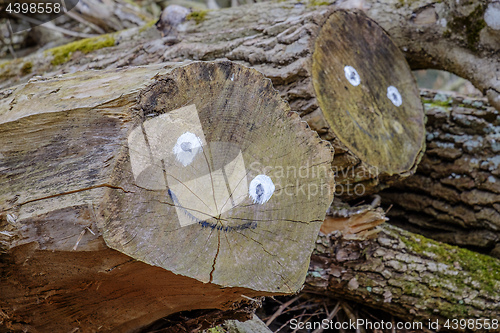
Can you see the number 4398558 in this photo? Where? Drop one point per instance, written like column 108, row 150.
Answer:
column 472, row 324
column 33, row 8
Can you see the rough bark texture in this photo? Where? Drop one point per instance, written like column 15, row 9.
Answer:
column 407, row 275
column 280, row 40
column 455, row 195
column 462, row 37
column 85, row 164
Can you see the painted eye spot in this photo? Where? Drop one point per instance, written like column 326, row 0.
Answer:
column 187, row 147
column 261, row 189
column 394, row 95
column 352, row 75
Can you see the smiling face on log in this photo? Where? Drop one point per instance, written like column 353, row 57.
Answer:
column 205, row 159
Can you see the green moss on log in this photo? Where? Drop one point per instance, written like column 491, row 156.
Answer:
column 198, row 16
column 26, row 68
column 470, row 26
column 315, row 3
column 485, row 268
column 147, row 25
column 62, row 54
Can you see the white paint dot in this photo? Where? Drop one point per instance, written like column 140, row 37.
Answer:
column 492, row 16
column 187, row 147
column 394, row 95
column 261, row 189
column 352, row 75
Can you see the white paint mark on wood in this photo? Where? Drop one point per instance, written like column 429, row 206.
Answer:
column 162, row 132
column 352, row 75
column 187, row 147
column 492, row 15
column 394, row 95
column 261, row 189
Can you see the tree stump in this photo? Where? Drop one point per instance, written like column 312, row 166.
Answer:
column 137, row 193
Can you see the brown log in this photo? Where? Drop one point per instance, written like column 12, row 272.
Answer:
column 143, row 192
column 407, row 275
column 378, row 136
column 455, row 195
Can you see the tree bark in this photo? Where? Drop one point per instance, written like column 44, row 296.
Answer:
column 150, row 191
column 377, row 139
column 455, row 195
column 407, row 275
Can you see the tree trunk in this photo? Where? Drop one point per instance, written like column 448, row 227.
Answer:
column 146, row 190
column 374, row 119
column 455, row 195
column 407, row 275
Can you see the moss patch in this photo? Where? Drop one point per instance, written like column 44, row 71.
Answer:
column 470, row 26
column 313, row 3
column 147, row 25
column 62, row 54
column 485, row 268
column 198, row 16
column 26, row 68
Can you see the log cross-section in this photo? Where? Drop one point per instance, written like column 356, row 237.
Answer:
column 127, row 195
column 235, row 177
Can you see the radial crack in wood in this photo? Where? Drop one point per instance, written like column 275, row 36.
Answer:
column 201, row 170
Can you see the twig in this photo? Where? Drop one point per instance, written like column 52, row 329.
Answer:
column 80, row 19
column 330, row 317
column 79, row 239
column 49, row 25
column 11, row 42
column 282, row 326
column 280, row 310
column 249, row 298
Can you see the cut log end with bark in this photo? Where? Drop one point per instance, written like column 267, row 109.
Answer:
column 370, row 101
column 338, row 69
column 200, row 175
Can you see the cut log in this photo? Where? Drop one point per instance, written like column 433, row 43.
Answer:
column 339, row 70
column 133, row 194
column 368, row 96
column 405, row 274
column 455, row 195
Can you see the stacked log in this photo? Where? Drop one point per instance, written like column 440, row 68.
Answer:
column 375, row 121
column 138, row 193
column 455, row 195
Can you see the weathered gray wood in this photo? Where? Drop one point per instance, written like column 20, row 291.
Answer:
column 92, row 165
